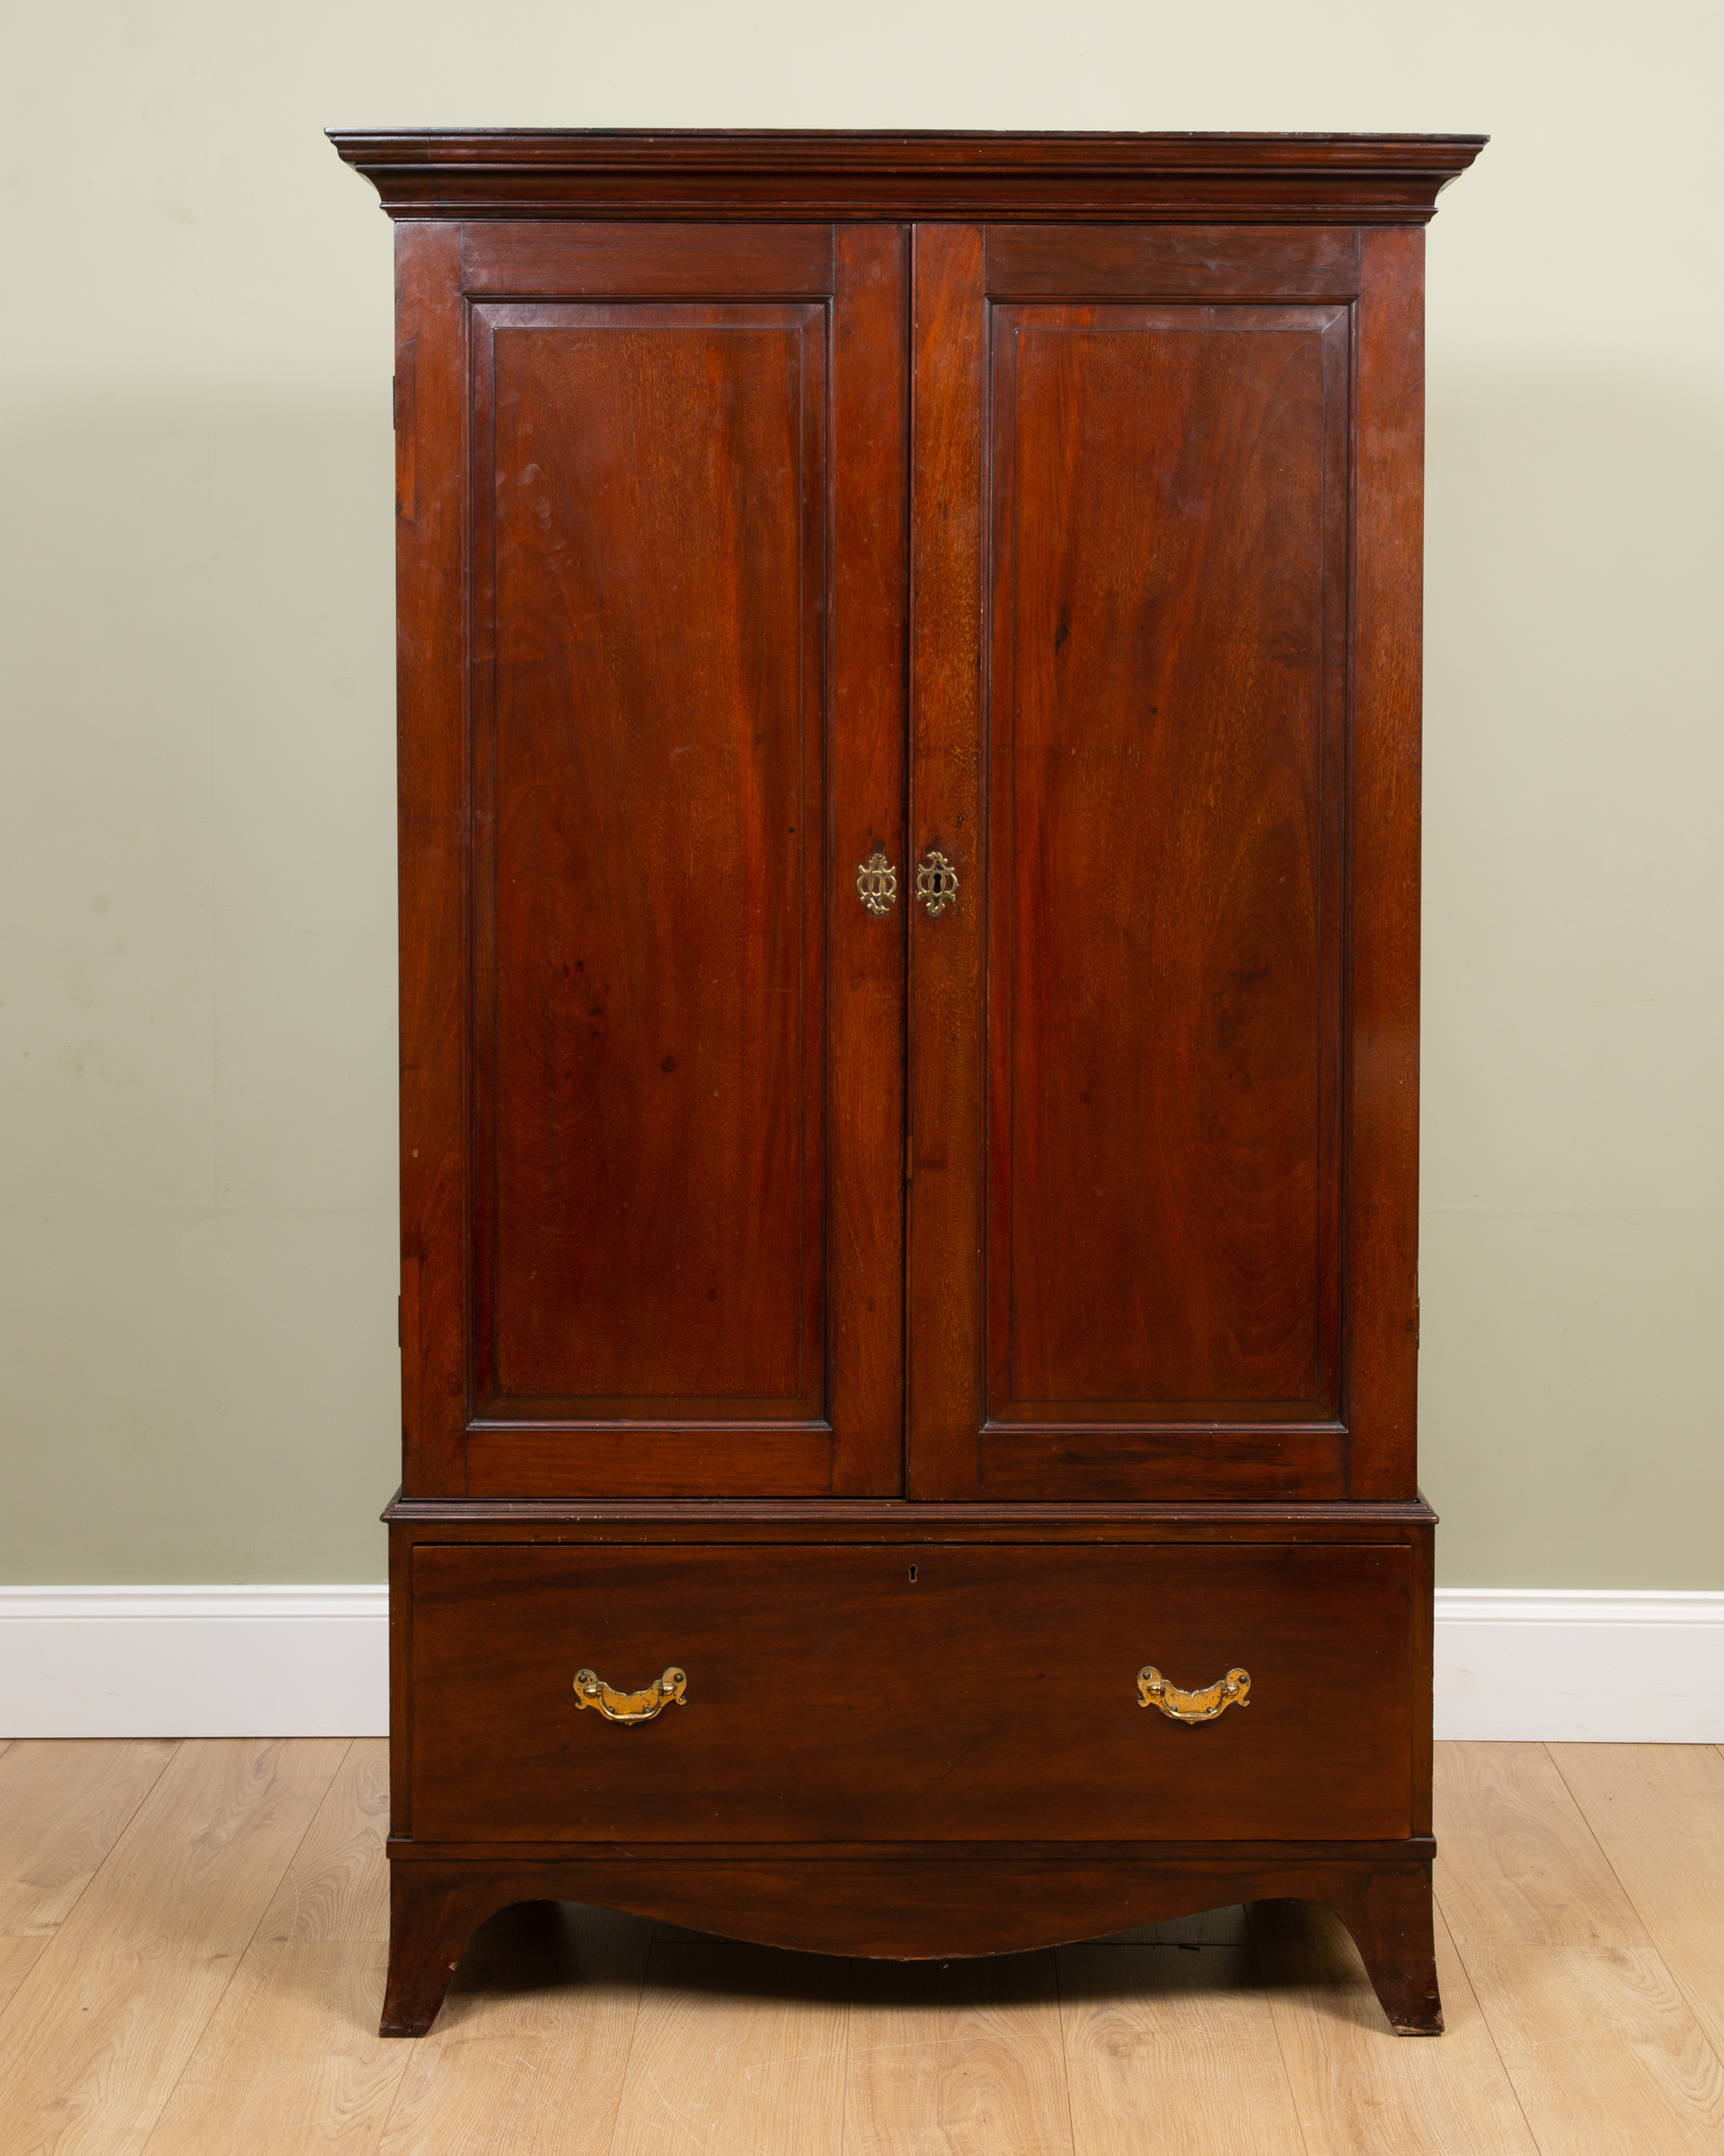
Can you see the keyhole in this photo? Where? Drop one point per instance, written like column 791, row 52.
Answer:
column 913, row 1575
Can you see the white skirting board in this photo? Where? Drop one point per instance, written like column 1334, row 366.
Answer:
column 1595, row 1665
column 194, row 1661
column 1512, row 1663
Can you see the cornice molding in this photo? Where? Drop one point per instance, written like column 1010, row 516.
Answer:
column 455, row 173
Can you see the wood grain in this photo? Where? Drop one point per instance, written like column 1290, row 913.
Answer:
column 967, row 2059
column 1030, row 1653
column 1382, row 1351
column 1604, row 2054
column 735, row 2048
column 1172, row 2046
column 64, row 1805
column 1516, row 1863
column 645, row 261
column 868, row 809
column 1360, row 2090
column 432, row 837
column 1657, row 1812
column 649, row 869
column 103, row 2025
column 1164, row 729
column 18, row 1955
column 1172, row 262
column 943, row 1291
column 289, row 2062
column 1604, row 2051
column 337, row 1887
column 530, row 2055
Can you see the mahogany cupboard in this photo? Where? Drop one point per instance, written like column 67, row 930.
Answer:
column 909, row 706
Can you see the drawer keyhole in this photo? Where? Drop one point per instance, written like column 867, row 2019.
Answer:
column 913, row 1575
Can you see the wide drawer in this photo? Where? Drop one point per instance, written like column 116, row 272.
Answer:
column 917, row 1693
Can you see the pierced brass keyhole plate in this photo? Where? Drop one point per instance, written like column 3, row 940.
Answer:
column 877, row 884
column 936, row 883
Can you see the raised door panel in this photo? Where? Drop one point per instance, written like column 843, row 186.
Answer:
column 648, row 1027
column 672, row 585
column 1130, row 1206
column 1164, row 706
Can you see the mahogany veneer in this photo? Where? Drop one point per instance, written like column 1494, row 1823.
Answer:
column 909, row 1318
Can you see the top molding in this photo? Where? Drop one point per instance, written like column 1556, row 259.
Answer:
column 688, row 173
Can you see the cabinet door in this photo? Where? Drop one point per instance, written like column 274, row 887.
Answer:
column 1164, row 732
column 654, row 596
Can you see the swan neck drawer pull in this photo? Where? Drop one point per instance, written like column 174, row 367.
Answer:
column 591, row 1691
column 1154, row 1690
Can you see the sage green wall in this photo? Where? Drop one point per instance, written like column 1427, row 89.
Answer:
column 197, row 1290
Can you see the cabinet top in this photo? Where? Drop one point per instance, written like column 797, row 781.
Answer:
column 686, row 172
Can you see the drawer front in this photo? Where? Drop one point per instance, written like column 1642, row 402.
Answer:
column 917, row 1693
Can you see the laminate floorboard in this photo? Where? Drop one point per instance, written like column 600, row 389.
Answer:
column 528, row 2055
column 1604, row 2054
column 109, row 2013
column 290, row 2060
column 965, row 2057
column 738, row 2049
column 1171, row 2045
column 62, row 1808
column 17, row 1959
column 194, row 1936
column 1657, row 1812
column 1360, row 2089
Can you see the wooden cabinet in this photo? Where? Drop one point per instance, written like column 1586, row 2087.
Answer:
column 909, row 826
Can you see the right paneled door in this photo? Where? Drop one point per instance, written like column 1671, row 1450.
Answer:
column 1136, row 701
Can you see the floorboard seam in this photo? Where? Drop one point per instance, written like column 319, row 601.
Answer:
column 1622, row 1887
column 634, row 2036
column 48, row 1944
column 204, row 2025
column 1065, row 2052
column 1441, row 1917
column 1275, row 2029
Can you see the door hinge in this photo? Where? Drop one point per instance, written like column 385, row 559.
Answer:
column 394, row 402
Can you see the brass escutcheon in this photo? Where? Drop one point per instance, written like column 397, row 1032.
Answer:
column 936, row 884
column 1154, row 1690
column 877, row 883
column 591, row 1691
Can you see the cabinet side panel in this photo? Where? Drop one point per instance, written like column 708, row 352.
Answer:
column 430, row 641
column 1383, row 1284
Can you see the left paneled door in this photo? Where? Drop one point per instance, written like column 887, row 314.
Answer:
column 652, row 488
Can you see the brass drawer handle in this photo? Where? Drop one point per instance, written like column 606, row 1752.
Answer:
column 591, row 1691
column 1154, row 1690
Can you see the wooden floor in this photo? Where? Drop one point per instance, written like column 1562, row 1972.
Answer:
column 191, row 1955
